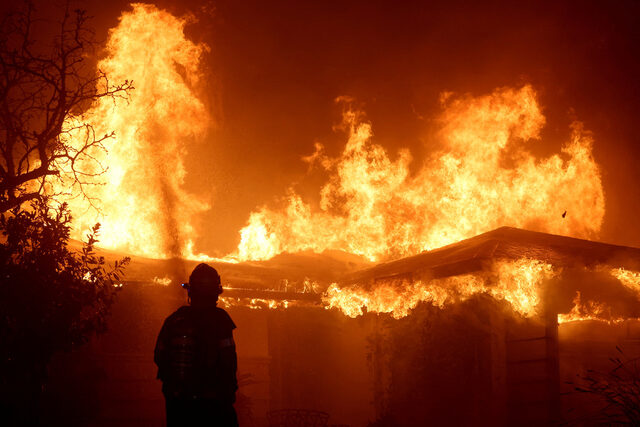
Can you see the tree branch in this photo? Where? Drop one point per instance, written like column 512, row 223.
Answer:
column 40, row 94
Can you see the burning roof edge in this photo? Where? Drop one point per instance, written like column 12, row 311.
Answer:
column 475, row 253
column 250, row 279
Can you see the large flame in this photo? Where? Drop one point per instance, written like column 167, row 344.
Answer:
column 141, row 201
column 482, row 179
column 372, row 204
column 599, row 310
column 517, row 282
column 521, row 283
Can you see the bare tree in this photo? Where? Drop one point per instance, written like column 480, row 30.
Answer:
column 615, row 393
column 43, row 91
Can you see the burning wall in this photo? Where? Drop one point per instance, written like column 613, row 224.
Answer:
column 531, row 271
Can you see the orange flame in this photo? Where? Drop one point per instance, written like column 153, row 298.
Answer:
column 589, row 310
column 143, row 206
column 594, row 310
column 254, row 303
column 372, row 206
column 517, row 282
column 630, row 279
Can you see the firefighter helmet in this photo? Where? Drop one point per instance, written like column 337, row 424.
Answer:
column 204, row 279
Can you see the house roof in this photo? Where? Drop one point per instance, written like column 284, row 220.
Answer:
column 505, row 243
column 284, row 276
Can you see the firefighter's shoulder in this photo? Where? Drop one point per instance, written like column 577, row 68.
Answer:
column 223, row 318
column 179, row 315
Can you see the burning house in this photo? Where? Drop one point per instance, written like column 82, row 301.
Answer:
column 371, row 291
column 465, row 332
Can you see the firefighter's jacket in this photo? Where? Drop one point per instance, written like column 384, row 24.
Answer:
column 196, row 354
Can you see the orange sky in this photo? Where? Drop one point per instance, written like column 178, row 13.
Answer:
column 275, row 69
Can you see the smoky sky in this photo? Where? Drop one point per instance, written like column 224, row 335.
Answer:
column 275, row 69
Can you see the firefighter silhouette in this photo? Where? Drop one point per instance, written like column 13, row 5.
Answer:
column 196, row 357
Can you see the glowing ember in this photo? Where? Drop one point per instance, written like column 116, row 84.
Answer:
column 371, row 204
column 143, row 206
column 253, row 303
column 164, row 281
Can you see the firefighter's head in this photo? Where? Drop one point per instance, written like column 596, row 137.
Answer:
column 204, row 285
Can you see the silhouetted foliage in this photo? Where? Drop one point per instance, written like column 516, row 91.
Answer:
column 619, row 388
column 51, row 298
column 43, row 91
